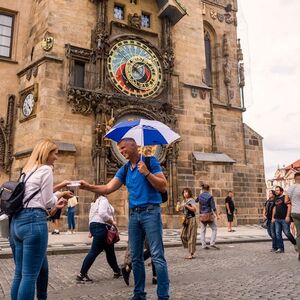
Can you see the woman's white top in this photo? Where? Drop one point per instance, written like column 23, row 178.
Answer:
column 101, row 211
column 41, row 179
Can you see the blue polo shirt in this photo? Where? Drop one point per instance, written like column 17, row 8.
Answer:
column 141, row 192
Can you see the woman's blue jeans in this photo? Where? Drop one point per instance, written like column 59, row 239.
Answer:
column 147, row 223
column 99, row 233
column 29, row 233
column 71, row 218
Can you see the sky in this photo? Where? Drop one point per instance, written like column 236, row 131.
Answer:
column 270, row 39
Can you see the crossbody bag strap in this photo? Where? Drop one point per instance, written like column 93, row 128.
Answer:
column 26, row 202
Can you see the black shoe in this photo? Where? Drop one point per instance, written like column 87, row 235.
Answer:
column 118, row 274
column 126, row 274
column 215, row 247
column 83, row 278
column 154, row 280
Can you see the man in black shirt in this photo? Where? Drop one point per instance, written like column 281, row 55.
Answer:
column 229, row 205
column 281, row 217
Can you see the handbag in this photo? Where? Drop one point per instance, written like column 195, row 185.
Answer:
column 206, row 217
column 112, row 236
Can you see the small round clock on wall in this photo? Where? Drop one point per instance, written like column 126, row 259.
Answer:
column 28, row 104
column 134, row 69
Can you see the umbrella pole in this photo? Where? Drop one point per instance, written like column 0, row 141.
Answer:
column 142, row 143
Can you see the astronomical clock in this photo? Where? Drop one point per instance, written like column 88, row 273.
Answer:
column 134, row 69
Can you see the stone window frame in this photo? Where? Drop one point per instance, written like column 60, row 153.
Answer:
column 209, row 29
column 150, row 18
column 13, row 15
column 120, row 6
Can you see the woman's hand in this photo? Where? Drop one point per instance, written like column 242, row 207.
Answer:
column 61, row 185
column 61, row 203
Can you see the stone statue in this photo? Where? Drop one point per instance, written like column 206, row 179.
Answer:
column 227, row 73
column 241, row 75
column 239, row 51
column 134, row 20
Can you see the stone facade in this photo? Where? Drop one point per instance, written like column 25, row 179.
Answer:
column 199, row 97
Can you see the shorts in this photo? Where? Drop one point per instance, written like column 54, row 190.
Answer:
column 56, row 216
column 230, row 218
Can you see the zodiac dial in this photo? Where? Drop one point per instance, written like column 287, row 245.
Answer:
column 134, row 69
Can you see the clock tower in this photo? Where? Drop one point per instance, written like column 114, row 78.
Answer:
column 87, row 65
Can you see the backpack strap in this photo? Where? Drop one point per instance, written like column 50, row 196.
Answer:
column 26, row 202
column 147, row 163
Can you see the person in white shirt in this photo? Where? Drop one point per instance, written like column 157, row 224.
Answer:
column 101, row 216
column 293, row 197
column 29, row 228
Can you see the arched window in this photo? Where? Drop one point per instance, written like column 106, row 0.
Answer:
column 208, row 58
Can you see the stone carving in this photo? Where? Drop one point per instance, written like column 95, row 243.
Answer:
column 220, row 17
column 73, row 51
column 169, row 58
column 28, row 74
column 6, row 136
column 134, row 20
column 47, row 42
column 241, row 75
column 227, row 73
column 239, row 51
column 225, row 45
column 35, row 70
column 229, row 18
column 213, row 14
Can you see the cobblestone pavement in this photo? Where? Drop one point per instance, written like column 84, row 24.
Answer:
column 237, row 271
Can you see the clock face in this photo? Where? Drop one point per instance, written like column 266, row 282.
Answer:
column 134, row 69
column 28, row 104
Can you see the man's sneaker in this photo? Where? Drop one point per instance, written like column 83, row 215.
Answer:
column 215, row 247
column 279, row 251
column 69, row 232
column 296, row 248
column 83, row 278
column 299, row 257
column 126, row 273
column 273, row 250
column 205, row 248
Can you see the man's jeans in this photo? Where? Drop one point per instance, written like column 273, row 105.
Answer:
column 29, row 233
column 71, row 218
column 147, row 223
column 271, row 233
column 213, row 227
column 296, row 218
column 99, row 233
column 281, row 225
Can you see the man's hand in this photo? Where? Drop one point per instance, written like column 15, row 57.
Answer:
column 84, row 185
column 67, row 194
column 143, row 168
column 287, row 220
column 273, row 220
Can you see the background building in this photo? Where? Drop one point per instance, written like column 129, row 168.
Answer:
column 71, row 69
column 284, row 176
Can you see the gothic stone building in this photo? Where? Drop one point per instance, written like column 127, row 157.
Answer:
column 71, row 69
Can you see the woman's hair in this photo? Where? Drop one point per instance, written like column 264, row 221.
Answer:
column 40, row 154
column 273, row 192
column 188, row 191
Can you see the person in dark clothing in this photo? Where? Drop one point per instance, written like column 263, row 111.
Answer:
column 229, row 205
column 281, row 218
column 267, row 215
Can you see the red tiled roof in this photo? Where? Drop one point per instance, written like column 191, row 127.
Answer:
column 294, row 165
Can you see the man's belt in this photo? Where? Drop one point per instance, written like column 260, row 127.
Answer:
column 143, row 208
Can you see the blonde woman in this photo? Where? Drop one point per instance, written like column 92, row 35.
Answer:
column 189, row 229
column 29, row 229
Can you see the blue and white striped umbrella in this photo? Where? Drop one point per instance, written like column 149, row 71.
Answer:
column 144, row 132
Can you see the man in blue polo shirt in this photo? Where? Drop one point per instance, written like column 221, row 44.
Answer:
column 145, row 214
